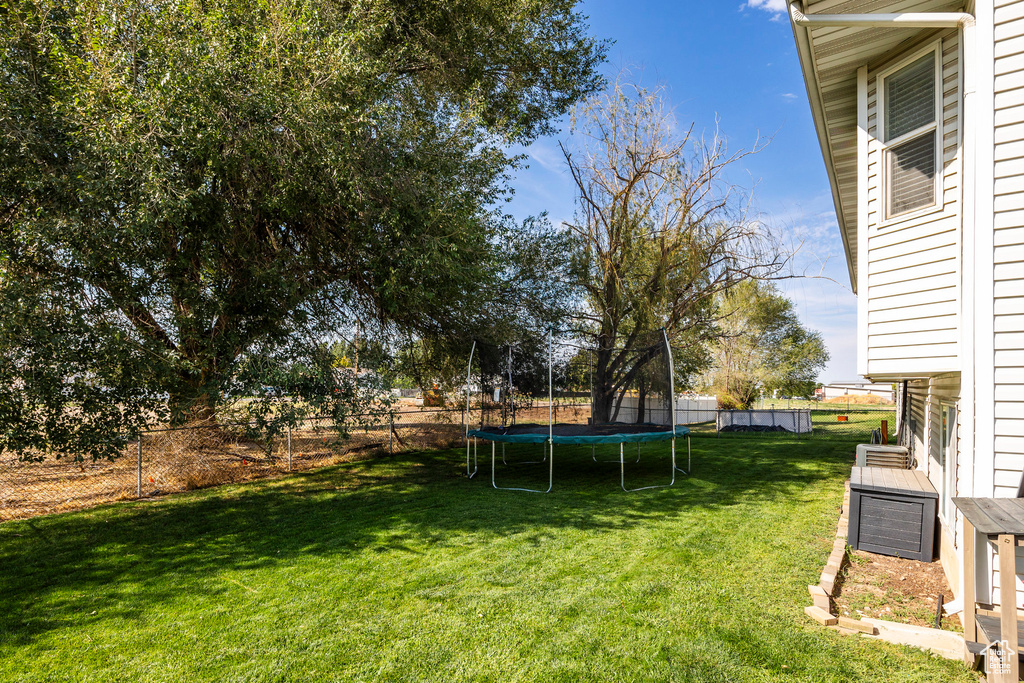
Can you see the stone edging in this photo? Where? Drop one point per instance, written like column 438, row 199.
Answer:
column 822, row 594
column 944, row 643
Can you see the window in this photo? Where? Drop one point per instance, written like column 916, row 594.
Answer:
column 911, row 136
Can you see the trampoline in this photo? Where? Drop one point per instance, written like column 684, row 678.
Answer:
column 638, row 407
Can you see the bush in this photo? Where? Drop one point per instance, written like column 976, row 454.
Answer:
column 730, row 402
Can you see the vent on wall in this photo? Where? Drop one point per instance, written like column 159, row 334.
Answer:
column 874, row 455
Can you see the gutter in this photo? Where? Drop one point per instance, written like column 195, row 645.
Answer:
column 901, row 20
column 801, row 25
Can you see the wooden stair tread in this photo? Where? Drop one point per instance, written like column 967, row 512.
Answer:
column 990, row 631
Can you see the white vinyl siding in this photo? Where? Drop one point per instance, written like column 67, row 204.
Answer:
column 1008, row 251
column 913, row 280
column 927, row 398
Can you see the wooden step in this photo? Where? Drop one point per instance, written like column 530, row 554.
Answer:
column 990, row 631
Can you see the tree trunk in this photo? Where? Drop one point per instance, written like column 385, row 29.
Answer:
column 641, row 403
column 602, row 387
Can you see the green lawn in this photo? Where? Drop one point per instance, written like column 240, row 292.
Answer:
column 401, row 569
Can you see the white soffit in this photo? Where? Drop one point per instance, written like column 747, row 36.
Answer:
column 836, row 54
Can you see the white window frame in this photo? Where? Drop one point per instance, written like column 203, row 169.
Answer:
column 935, row 49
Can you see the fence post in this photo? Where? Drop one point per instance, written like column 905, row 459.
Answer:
column 289, row 448
column 391, row 433
column 138, row 486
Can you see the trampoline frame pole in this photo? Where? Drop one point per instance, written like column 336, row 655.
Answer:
column 494, row 483
column 550, row 451
column 543, row 457
column 672, row 409
column 593, row 454
column 551, row 399
column 469, row 373
column 672, row 414
column 622, row 470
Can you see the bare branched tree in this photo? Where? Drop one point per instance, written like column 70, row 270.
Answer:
column 659, row 232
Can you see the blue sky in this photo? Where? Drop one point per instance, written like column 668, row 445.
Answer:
column 733, row 62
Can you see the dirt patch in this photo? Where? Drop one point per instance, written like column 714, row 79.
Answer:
column 892, row 588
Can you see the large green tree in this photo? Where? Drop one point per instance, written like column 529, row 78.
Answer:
column 184, row 184
column 763, row 347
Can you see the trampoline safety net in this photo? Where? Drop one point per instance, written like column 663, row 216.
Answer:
column 560, row 392
column 572, row 393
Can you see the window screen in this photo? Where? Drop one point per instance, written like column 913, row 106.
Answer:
column 912, row 174
column 911, row 121
column 910, row 98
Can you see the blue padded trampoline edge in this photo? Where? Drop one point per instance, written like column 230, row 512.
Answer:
column 642, row 437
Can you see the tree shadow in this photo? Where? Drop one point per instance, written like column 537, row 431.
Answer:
column 410, row 504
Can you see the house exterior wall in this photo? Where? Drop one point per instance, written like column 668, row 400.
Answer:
column 1008, row 246
column 910, row 284
column 995, row 271
column 940, row 294
column 926, row 399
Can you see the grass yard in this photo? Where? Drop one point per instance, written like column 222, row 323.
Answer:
column 401, row 569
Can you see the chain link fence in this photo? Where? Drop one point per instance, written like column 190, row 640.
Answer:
column 173, row 460
column 826, row 422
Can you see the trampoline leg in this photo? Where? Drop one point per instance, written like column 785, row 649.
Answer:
column 551, row 470
column 688, row 457
column 470, row 474
column 593, row 455
column 622, row 470
column 543, row 457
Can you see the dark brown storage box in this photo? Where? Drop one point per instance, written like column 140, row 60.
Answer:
column 892, row 512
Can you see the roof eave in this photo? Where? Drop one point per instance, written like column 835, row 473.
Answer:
column 803, row 43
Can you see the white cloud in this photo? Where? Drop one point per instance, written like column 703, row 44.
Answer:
column 773, row 6
column 549, row 155
column 788, row 96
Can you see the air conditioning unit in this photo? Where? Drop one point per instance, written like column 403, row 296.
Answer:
column 874, row 455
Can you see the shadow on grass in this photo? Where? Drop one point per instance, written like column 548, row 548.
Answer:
column 404, row 504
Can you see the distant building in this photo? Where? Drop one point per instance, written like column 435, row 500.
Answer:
column 883, row 390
